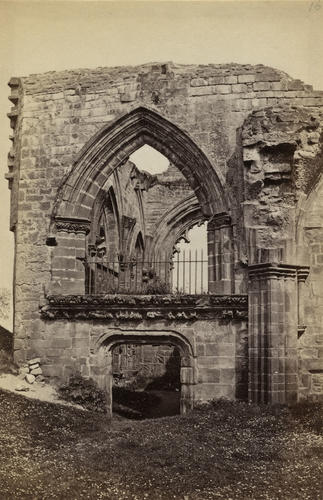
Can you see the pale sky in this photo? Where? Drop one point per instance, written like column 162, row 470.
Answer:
column 43, row 36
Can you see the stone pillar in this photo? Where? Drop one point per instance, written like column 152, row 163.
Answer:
column 101, row 373
column 67, row 267
column 187, row 384
column 220, row 255
column 273, row 329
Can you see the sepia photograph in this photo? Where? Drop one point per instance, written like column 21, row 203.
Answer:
column 161, row 250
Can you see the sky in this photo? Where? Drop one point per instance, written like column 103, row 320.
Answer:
column 43, row 36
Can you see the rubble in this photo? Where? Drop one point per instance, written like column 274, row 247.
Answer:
column 32, row 371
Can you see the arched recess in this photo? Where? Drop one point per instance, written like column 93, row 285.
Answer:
column 310, row 252
column 102, row 359
column 106, row 219
column 137, row 250
column 175, row 223
column 113, row 145
column 309, row 218
column 103, row 240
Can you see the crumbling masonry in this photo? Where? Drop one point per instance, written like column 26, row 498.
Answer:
column 245, row 150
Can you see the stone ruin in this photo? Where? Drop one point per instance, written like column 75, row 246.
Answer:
column 244, row 145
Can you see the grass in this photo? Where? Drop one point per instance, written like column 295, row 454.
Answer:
column 226, row 450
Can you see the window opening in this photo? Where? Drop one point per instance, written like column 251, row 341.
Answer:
column 133, row 247
column 150, row 160
column 190, row 262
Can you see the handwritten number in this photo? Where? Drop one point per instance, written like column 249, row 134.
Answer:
column 315, row 6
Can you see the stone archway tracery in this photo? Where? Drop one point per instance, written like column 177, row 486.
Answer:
column 175, row 223
column 91, row 174
column 113, row 145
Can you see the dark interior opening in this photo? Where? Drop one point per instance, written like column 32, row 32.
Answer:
column 146, row 381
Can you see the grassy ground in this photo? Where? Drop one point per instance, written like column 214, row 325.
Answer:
column 226, row 450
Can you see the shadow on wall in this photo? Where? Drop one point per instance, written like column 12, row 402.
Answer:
column 170, row 380
column 6, row 340
column 242, row 366
column 6, row 352
column 150, row 398
column 148, row 367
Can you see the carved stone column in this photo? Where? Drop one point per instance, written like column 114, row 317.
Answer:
column 220, row 255
column 273, row 329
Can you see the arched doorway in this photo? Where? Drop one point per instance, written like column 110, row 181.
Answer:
column 103, row 353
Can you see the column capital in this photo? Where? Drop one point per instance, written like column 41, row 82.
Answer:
column 72, row 225
column 278, row 270
column 302, row 273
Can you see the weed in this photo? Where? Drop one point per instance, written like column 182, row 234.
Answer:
column 157, row 287
column 84, row 392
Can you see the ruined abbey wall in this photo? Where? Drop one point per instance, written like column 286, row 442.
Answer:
column 248, row 141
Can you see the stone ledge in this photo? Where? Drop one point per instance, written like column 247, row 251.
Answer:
column 239, row 301
column 72, row 225
column 275, row 270
column 145, row 307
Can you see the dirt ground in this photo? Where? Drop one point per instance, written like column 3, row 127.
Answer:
column 40, row 391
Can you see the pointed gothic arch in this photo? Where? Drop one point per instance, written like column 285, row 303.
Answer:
column 180, row 218
column 106, row 207
column 113, row 145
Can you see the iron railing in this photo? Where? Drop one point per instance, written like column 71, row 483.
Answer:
column 185, row 272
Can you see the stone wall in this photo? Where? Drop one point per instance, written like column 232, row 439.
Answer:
column 246, row 139
column 311, row 339
column 282, row 211
column 146, row 367
column 218, row 349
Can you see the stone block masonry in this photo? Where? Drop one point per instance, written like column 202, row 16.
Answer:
column 244, row 144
